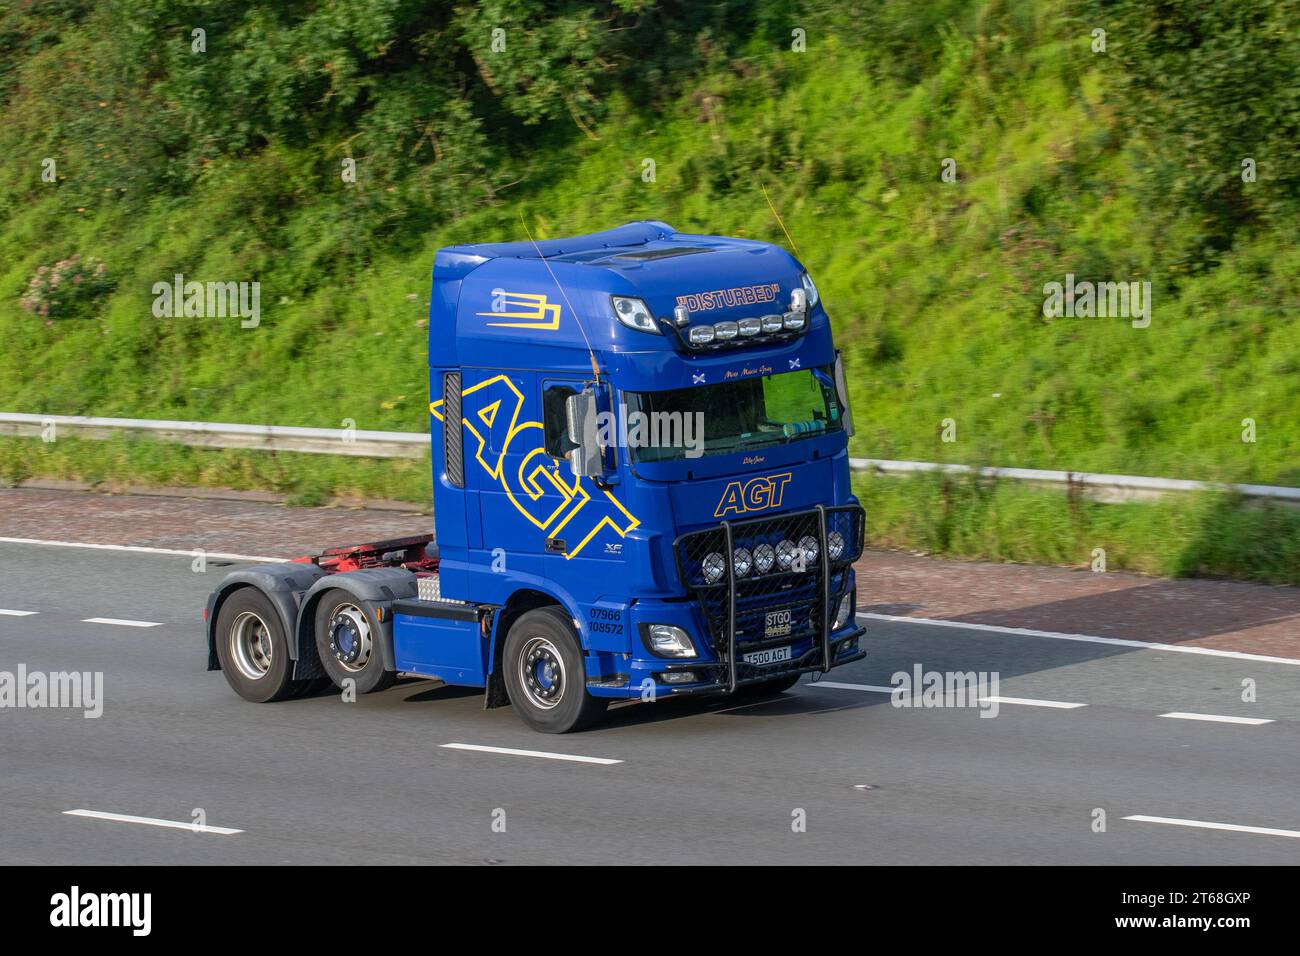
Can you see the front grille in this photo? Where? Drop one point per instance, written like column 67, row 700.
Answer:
column 767, row 582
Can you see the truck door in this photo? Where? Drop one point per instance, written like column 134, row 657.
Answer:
column 586, row 528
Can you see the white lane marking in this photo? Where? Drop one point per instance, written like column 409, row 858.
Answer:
column 193, row 552
column 1206, row 825
column 1030, row 702
column 152, row 821
column 1218, row 718
column 120, row 622
column 1086, row 638
column 836, row 685
column 530, row 753
column 8, row 613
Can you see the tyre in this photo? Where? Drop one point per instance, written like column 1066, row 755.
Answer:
column 545, row 674
column 347, row 640
column 252, row 648
column 770, row 688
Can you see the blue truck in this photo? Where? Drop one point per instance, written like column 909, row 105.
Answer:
column 640, row 490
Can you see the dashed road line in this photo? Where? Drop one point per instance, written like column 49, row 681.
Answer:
column 1207, row 825
column 1218, row 718
column 1053, row 704
column 6, row 612
column 1086, row 638
column 576, row 758
column 1030, row 702
column 120, row 622
column 152, row 821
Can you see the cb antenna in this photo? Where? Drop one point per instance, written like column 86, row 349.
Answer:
column 595, row 369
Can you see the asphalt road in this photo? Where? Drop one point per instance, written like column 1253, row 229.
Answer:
column 323, row 781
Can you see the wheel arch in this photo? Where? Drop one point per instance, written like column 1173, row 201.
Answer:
column 282, row 584
column 373, row 588
column 520, row 602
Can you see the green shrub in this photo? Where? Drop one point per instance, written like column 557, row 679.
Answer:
column 65, row 288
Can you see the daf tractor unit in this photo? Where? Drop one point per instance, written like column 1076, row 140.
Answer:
column 575, row 561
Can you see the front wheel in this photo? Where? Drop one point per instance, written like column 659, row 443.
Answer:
column 545, row 675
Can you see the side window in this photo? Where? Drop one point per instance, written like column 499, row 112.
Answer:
column 555, row 419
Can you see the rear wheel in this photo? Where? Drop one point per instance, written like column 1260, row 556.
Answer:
column 545, row 674
column 252, row 648
column 347, row 640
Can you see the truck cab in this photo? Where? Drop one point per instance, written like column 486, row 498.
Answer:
column 640, row 488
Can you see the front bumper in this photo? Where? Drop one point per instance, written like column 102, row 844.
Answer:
column 735, row 614
column 715, row 675
column 844, row 649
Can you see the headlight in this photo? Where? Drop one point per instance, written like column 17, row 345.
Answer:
column 667, row 641
column 701, row 334
column 764, row 558
column 808, row 545
column 811, row 289
column 794, row 321
column 844, row 612
column 743, row 561
column 750, row 326
column 726, row 330
column 835, row 545
column 785, row 554
column 634, row 313
column 714, row 567
column 772, row 323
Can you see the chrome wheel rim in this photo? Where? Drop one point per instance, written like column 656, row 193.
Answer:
column 350, row 638
column 251, row 648
column 541, row 673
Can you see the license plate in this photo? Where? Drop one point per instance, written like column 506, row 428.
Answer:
column 776, row 623
column 772, row 655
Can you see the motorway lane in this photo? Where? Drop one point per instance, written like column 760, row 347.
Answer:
column 320, row 781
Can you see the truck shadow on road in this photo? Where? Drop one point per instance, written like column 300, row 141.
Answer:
column 625, row 715
column 791, row 703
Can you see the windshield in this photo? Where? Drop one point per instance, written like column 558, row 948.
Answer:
column 733, row 416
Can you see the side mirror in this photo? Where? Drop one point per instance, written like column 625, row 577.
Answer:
column 842, row 393
column 580, row 410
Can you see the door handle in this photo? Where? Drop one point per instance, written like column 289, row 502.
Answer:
column 555, row 545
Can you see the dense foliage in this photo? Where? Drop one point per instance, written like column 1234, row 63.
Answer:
column 127, row 137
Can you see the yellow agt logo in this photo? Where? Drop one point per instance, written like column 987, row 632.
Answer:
column 756, row 494
column 492, row 413
column 532, row 308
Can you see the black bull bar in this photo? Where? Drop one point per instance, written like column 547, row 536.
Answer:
column 771, row 581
